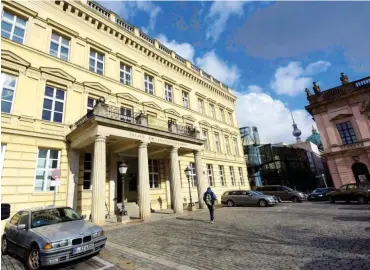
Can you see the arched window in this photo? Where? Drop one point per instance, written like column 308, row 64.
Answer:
column 360, row 172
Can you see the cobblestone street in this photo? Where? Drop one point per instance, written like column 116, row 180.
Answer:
column 289, row 236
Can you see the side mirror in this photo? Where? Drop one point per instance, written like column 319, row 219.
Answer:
column 83, row 217
column 5, row 211
column 21, row 226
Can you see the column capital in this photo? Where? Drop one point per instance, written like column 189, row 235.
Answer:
column 174, row 149
column 100, row 137
column 197, row 152
column 143, row 145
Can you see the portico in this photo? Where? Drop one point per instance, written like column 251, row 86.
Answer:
column 111, row 139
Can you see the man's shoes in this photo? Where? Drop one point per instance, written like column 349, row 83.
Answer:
column 212, row 221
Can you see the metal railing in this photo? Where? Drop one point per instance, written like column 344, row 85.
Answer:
column 137, row 118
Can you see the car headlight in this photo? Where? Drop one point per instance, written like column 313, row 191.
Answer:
column 98, row 234
column 320, row 195
column 62, row 243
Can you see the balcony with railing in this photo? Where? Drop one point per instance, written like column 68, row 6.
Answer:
column 130, row 117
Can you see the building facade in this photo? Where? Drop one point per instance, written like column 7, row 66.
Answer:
column 342, row 115
column 83, row 90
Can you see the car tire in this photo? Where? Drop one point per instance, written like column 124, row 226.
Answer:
column 230, row 203
column 262, row 203
column 33, row 258
column 4, row 245
column 295, row 199
column 332, row 200
column 361, row 200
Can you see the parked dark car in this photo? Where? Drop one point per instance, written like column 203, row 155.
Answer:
column 246, row 197
column 320, row 194
column 351, row 192
column 283, row 192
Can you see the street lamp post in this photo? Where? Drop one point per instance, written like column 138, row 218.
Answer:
column 187, row 173
column 122, row 171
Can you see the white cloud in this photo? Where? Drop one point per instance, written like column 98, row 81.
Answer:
column 254, row 88
column 185, row 50
column 271, row 117
column 219, row 14
column 219, row 69
column 293, row 79
column 129, row 9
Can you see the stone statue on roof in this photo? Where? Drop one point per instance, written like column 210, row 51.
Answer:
column 316, row 88
column 344, row 78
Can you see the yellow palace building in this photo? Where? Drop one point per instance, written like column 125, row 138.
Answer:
column 84, row 91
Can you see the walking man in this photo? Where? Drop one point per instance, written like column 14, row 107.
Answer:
column 209, row 198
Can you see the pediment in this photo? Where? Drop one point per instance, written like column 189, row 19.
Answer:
column 216, row 127
column 204, row 123
column 12, row 57
column 57, row 72
column 127, row 96
column 97, row 86
column 189, row 117
column 152, row 105
column 172, row 111
column 341, row 116
column 226, row 130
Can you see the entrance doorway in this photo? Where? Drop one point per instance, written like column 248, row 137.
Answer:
column 360, row 172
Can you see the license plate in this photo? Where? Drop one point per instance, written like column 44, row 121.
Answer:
column 83, row 248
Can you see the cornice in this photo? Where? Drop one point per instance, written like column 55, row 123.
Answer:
column 20, row 9
column 61, row 27
column 126, row 59
column 212, row 101
column 98, row 45
column 149, row 70
column 200, row 95
column 184, row 87
column 169, row 79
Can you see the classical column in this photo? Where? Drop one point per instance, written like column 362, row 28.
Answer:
column 175, row 181
column 201, row 183
column 99, row 179
column 143, row 190
column 113, row 185
column 73, row 165
column 168, row 184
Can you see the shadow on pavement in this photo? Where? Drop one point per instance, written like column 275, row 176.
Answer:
column 367, row 229
column 349, row 218
column 193, row 219
column 355, row 208
column 337, row 263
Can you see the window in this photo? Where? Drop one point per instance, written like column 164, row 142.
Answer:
column 231, row 122
column 222, row 175
column 14, row 220
column 227, row 144
column 222, row 117
column 217, row 142
column 53, row 104
column 8, row 83
column 236, row 148
column 153, row 173
column 59, row 46
column 126, row 115
column 125, row 74
column 168, row 92
column 212, row 110
column 96, row 63
column 205, row 137
column 148, row 84
column 185, row 99
column 346, row 132
column 13, row 27
column 232, row 177
column 3, row 150
column 210, row 175
column 47, row 161
column 24, row 219
column 200, row 106
column 193, row 175
column 241, row 176
column 87, row 171
column 91, row 102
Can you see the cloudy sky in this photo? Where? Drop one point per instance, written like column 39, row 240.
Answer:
column 268, row 52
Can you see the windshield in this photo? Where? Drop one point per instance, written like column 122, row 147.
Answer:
column 256, row 192
column 53, row 216
column 320, row 190
column 288, row 188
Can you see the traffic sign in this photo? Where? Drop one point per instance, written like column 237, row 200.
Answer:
column 56, row 174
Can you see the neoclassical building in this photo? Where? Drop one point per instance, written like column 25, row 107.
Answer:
column 342, row 115
column 83, row 91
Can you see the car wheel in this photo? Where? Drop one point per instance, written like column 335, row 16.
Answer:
column 332, row 200
column 361, row 200
column 262, row 203
column 4, row 245
column 33, row 259
column 295, row 199
column 230, row 203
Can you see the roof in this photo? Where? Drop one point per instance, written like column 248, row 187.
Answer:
column 314, row 137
